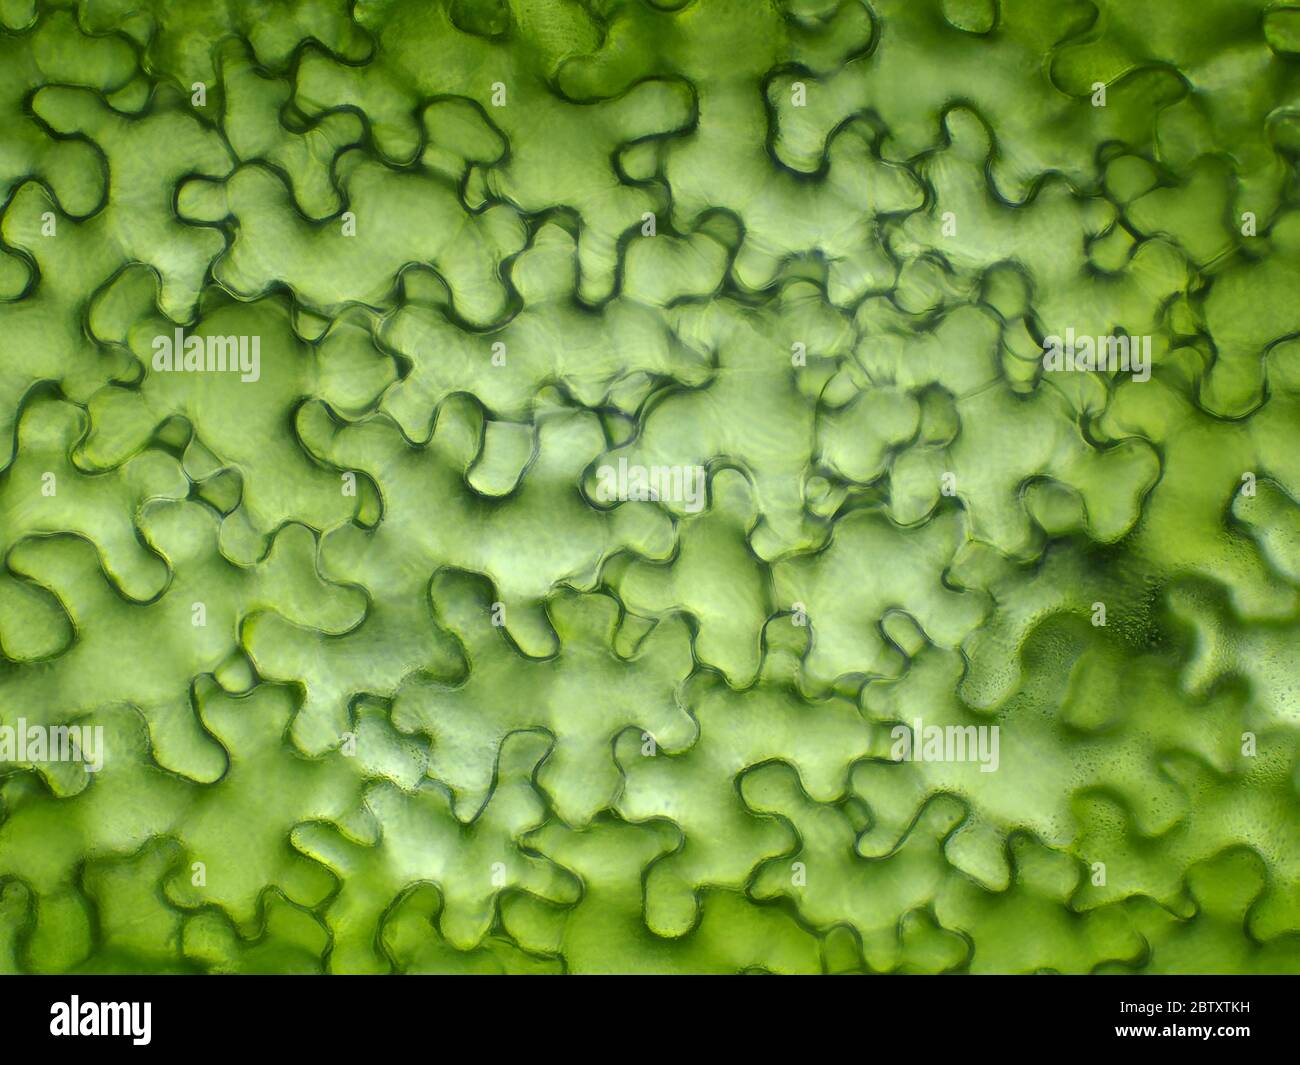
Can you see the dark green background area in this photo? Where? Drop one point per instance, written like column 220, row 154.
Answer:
column 386, row 686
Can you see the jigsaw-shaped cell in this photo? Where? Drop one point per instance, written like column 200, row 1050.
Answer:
column 858, row 438
column 1193, row 212
column 392, row 218
column 783, row 213
column 1225, row 52
column 137, row 220
column 411, row 938
column 989, row 471
column 829, row 882
column 188, row 627
column 285, row 580
column 292, row 941
column 432, row 519
column 33, row 624
column 606, row 926
column 238, row 365
column 585, row 696
column 1203, row 463
column 924, row 60
column 139, row 929
column 545, row 487
column 1124, row 862
column 235, row 830
column 56, row 52
column 45, row 492
column 1247, row 313
column 420, row 841
column 41, row 337
column 46, row 837
column 713, row 577
column 510, row 78
column 177, row 35
column 621, row 355
column 1090, row 717
column 1064, row 581
column 757, row 412
column 253, row 122
column 1224, row 647
column 1223, row 890
column 844, row 591
column 1029, row 927
column 695, row 790
column 1050, row 235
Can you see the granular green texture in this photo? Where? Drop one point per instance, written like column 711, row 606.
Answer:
column 399, row 665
